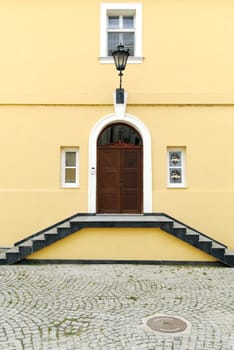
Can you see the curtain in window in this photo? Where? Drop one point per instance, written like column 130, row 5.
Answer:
column 114, row 39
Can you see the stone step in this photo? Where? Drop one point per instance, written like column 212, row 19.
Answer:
column 51, row 237
column 178, row 225
column 120, row 217
column 2, row 255
column 63, row 231
column 40, row 237
column 27, row 243
column 13, row 250
column 26, row 248
column 217, row 250
column 204, row 239
column 204, row 243
column 13, row 255
column 38, row 243
column 216, row 245
column 191, row 236
column 229, row 257
column 179, row 230
column 64, row 225
column 52, row 231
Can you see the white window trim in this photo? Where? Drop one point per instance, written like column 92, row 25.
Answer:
column 183, row 168
column 137, row 8
column 63, row 167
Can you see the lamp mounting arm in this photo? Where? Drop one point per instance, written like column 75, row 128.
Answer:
column 120, row 79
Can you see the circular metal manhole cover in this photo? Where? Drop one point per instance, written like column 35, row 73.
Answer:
column 167, row 324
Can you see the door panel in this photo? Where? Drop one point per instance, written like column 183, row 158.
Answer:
column 131, row 181
column 119, row 179
column 108, row 179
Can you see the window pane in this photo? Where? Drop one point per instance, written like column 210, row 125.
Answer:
column 175, row 175
column 175, row 159
column 127, row 39
column 113, row 22
column 114, row 39
column 119, row 132
column 70, row 175
column 70, row 159
column 128, row 42
column 128, row 22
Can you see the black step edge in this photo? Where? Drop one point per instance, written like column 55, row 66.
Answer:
column 49, row 228
column 94, row 214
column 70, row 219
column 191, row 228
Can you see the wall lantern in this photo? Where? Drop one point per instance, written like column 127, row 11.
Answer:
column 120, row 56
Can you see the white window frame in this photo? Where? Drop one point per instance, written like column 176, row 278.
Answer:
column 65, row 184
column 180, row 167
column 119, row 9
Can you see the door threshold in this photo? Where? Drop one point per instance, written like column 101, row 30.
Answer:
column 119, row 214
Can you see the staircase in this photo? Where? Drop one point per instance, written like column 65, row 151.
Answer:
column 54, row 233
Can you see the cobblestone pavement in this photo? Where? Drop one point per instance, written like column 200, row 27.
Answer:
column 102, row 306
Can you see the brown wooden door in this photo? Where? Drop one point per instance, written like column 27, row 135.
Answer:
column 119, row 179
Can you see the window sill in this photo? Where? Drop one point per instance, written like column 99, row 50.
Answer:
column 130, row 59
column 177, row 187
column 69, row 186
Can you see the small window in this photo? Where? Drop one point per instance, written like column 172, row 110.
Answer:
column 70, row 167
column 176, row 167
column 121, row 23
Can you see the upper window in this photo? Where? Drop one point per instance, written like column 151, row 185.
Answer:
column 176, row 167
column 121, row 24
column 121, row 30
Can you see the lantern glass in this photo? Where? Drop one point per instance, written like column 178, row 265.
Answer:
column 120, row 57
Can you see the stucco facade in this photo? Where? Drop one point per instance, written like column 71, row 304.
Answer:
column 56, row 92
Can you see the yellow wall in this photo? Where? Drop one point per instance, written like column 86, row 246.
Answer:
column 50, row 53
column 53, row 90
column 143, row 244
column 30, row 194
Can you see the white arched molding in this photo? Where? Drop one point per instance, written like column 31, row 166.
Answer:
column 147, row 161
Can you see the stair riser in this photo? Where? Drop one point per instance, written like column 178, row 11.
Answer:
column 229, row 259
column 218, row 253
column 38, row 245
column 205, row 246
column 192, row 239
column 63, row 232
column 51, row 238
column 179, row 232
column 3, row 262
column 75, row 226
column 168, row 226
column 13, row 257
column 24, row 251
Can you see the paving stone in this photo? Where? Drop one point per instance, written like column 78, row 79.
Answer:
column 84, row 307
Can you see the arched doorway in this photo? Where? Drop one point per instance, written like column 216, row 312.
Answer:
column 142, row 129
column 119, row 170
